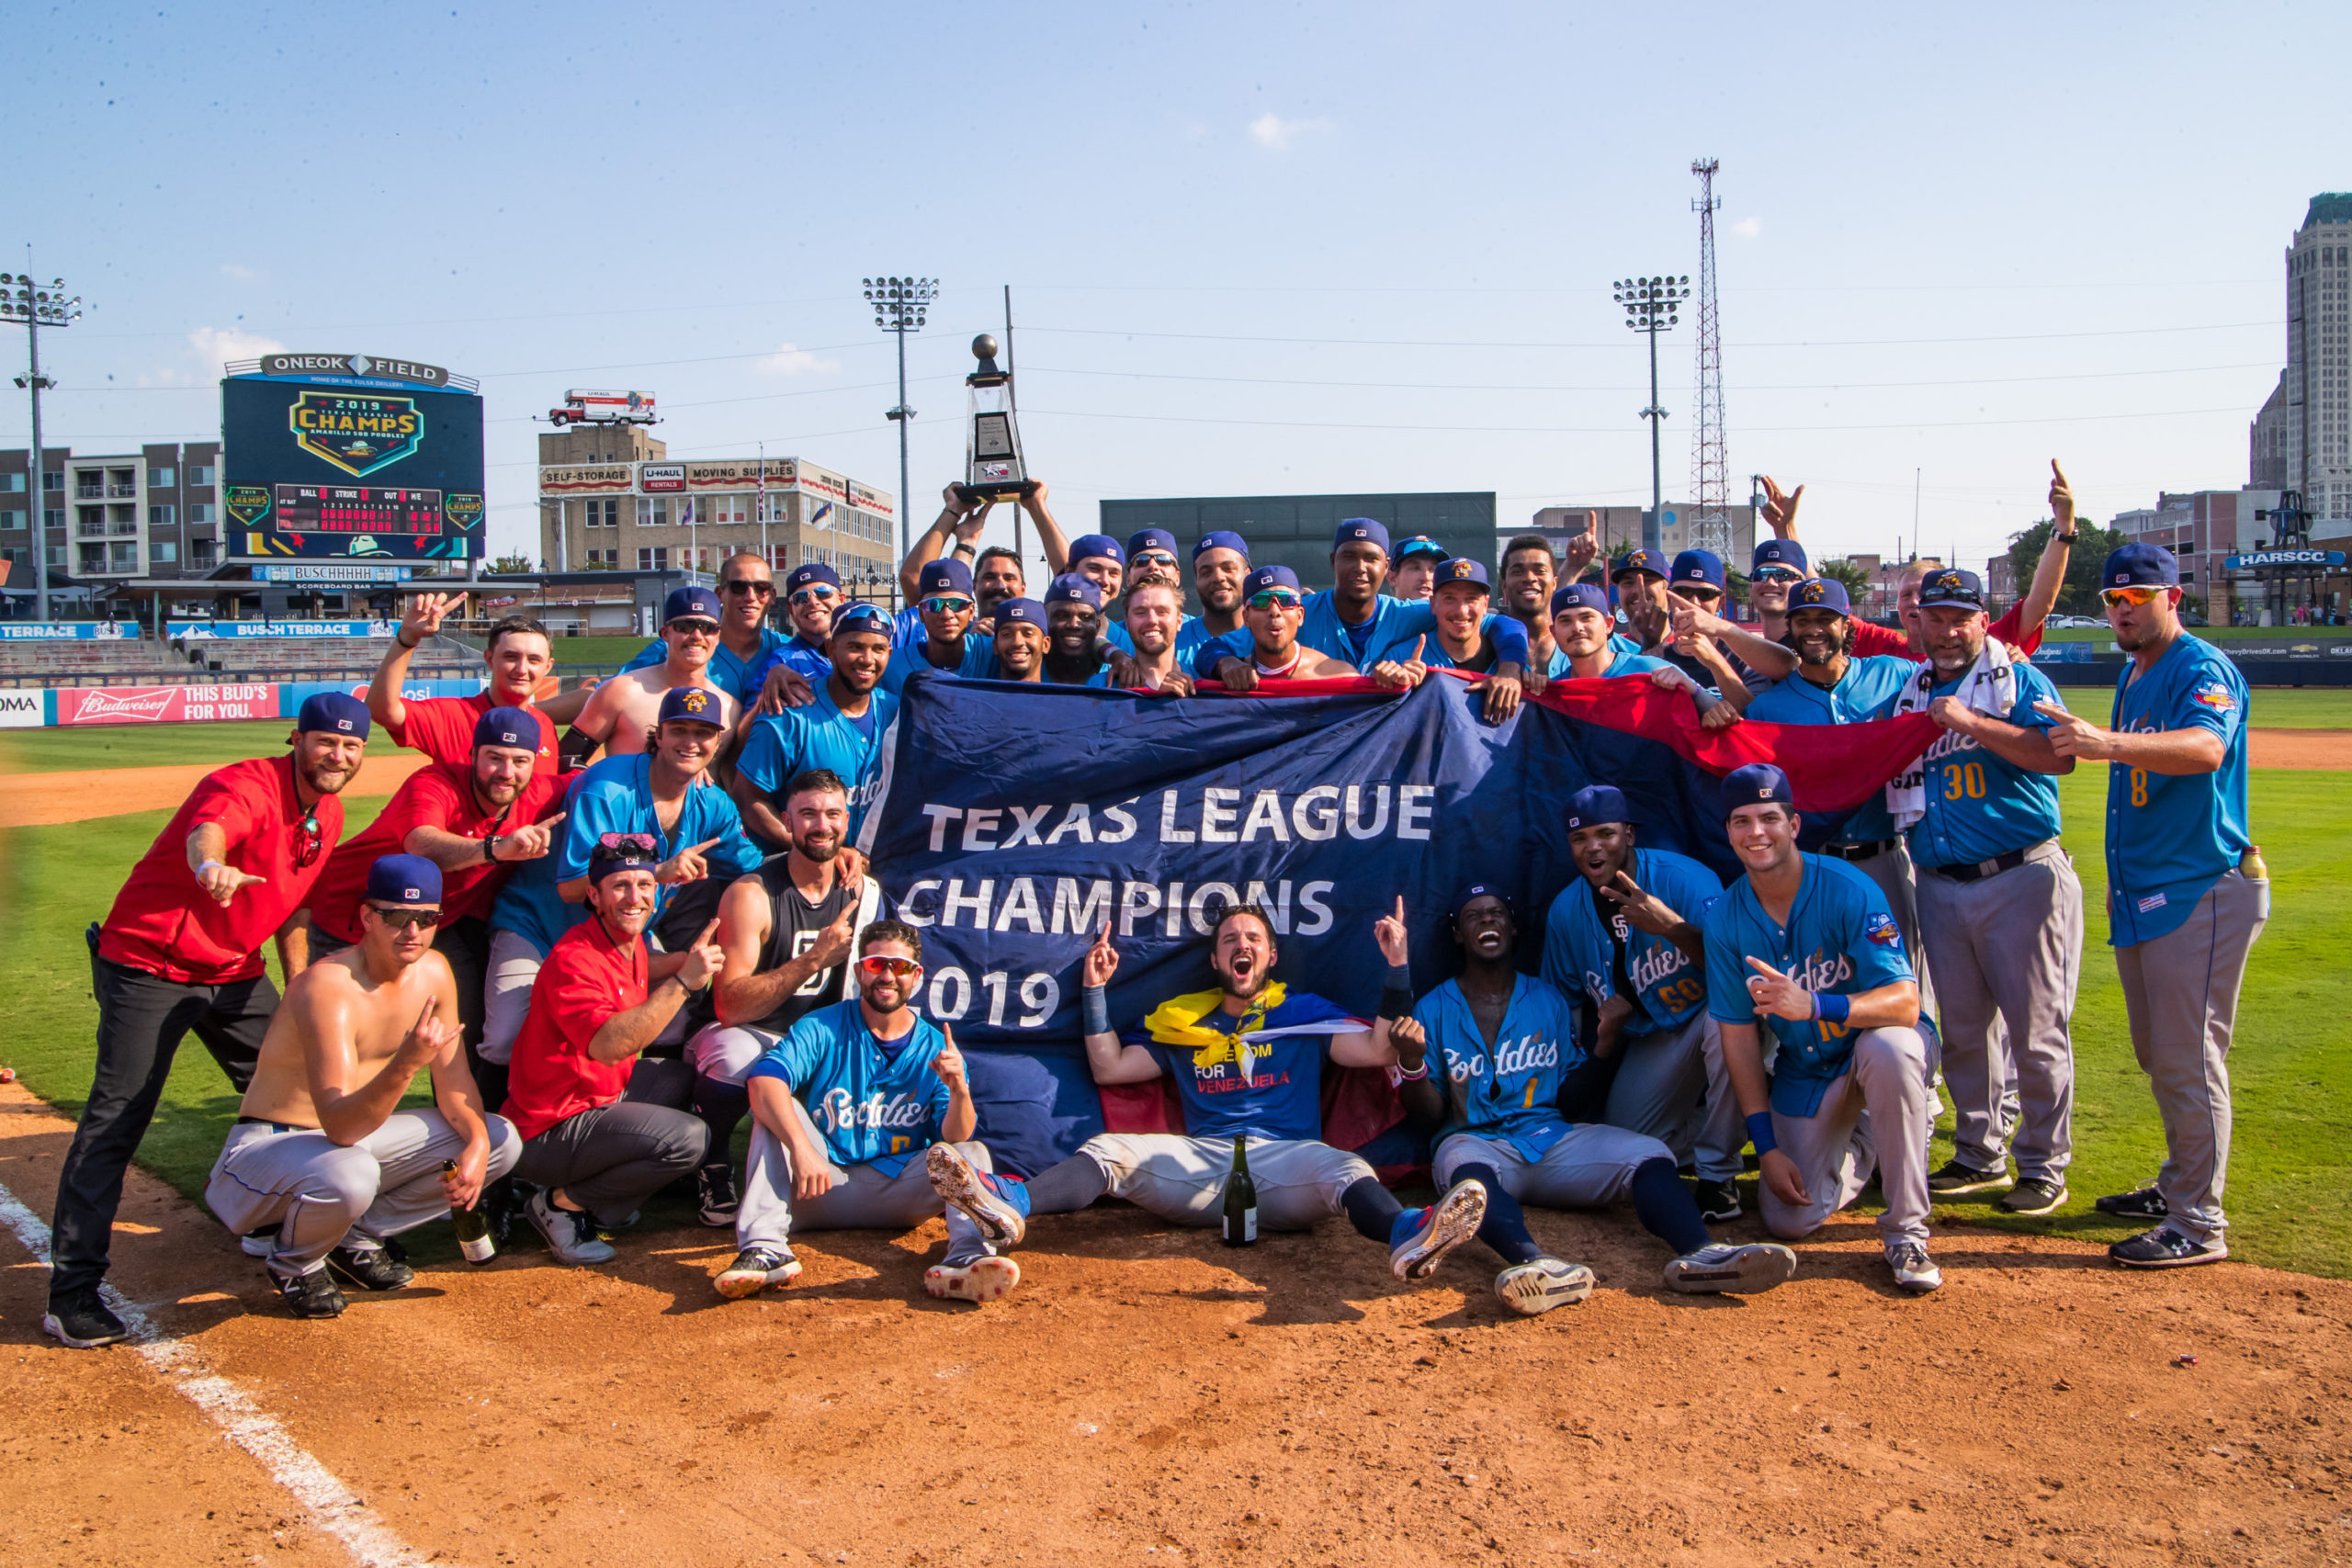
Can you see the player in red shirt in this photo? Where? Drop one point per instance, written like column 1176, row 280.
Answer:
column 181, row 951
column 519, row 656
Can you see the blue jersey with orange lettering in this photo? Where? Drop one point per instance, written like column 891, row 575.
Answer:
column 1580, row 947
column 874, row 1102
column 2171, row 836
column 1979, row 804
column 1865, row 691
column 1509, row 1090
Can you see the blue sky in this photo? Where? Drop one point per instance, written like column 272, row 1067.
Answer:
column 1252, row 248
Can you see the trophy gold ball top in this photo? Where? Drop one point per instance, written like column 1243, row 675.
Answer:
column 984, row 346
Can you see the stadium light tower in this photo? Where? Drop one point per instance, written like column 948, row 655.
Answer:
column 1653, row 305
column 901, row 305
column 38, row 305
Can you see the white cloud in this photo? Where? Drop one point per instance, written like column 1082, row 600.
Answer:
column 242, row 274
column 217, row 346
column 1748, row 228
column 790, row 361
column 1273, row 132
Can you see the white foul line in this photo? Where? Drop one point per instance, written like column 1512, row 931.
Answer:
column 329, row 1503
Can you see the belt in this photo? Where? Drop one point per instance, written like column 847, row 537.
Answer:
column 272, row 1126
column 1977, row 871
column 1860, row 851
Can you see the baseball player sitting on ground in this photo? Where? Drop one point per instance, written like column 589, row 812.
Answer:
column 1247, row 1060
column 1807, row 943
column 845, row 1106
column 320, row 1149
column 1499, row 1041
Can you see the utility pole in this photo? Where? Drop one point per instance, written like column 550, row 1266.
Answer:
column 38, row 305
column 1653, row 305
column 1710, row 484
column 1018, row 546
column 901, row 306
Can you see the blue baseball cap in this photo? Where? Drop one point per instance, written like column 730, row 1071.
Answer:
column 1144, row 539
column 1101, row 545
column 1419, row 544
column 2140, row 566
column 508, row 726
column 1596, row 803
column 1069, row 587
column 1952, row 586
column 943, row 577
column 1585, row 595
column 1361, row 530
column 1820, row 594
column 1020, row 613
column 1462, row 899
column 403, row 879
column 1651, row 562
column 1222, row 539
column 1755, row 784
column 699, row 704
column 1698, row 566
column 1265, row 577
column 1780, row 552
column 802, row 576
column 862, row 617
column 338, row 713
column 686, row 603
column 1459, row 568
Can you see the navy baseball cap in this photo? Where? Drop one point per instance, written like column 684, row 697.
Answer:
column 1361, row 530
column 1651, row 562
column 1459, row 568
column 1780, row 552
column 1753, row 785
column 1222, row 539
column 1101, row 545
column 1462, row 900
column 943, row 577
column 403, row 879
column 1820, row 594
column 863, row 617
column 686, row 603
column 1952, row 586
column 2140, row 566
column 1265, row 577
column 1144, row 539
column 1587, row 595
column 1419, row 544
column 1020, row 613
column 1698, row 566
column 699, row 704
column 814, row 572
column 1596, row 803
column 338, row 713
column 1071, row 588
column 508, row 726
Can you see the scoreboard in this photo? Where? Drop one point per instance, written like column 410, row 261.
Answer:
column 357, row 509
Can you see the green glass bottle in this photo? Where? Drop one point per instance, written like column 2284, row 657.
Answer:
column 1241, row 1199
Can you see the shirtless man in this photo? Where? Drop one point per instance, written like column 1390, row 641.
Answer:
column 320, row 1149
column 623, row 712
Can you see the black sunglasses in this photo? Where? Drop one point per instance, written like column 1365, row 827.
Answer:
column 750, row 585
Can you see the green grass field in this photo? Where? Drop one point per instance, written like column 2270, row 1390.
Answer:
column 66, row 751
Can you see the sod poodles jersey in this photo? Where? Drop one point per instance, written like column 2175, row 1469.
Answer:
column 1509, row 1090
column 1581, row 949
column 2171, row 836
column 1260, row 1073
column 1979, row 804
column 1864, row 690
column 821, row 736
column 871, row 1106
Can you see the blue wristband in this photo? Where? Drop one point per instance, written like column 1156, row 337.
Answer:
column 1760, row 1133
column 1831, row 1007
column 1094, row 1009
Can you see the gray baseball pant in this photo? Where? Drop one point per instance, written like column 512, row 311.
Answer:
column 1182, row 1178
column 2181, row 994
column 862, row 1198
column 1723, row 1131
column 506, row 993
column 317, row 1191
column 1591, row 1168
column 1893, row 873
column 1836, row 1148
column 1666, row 1088
column 2008, row 952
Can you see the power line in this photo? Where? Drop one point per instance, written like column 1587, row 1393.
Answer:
column 1804, row 342
column 1612, row 430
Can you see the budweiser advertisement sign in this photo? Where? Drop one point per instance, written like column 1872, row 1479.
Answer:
column 163, row 704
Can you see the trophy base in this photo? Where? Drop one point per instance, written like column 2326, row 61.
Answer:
column 1001, row 489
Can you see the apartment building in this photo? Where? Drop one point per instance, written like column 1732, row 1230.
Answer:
column 114, row 516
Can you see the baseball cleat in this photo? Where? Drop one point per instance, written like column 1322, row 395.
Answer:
column 1538, row 1287
column 312, row 1295
column 79, row 1321
column 2166, row 1248
column 570, row 1232
column 989, row 1280
column 1721, row 1268
column 1445, row 1224
column 715, row 1197
column 2142, row 1203
column 1953, row 1179
column 955, row 1180
column 371, row 1268
column 1718, row 1201
column 1914, row 1269
column 2031, row 1195
column 755, row 1268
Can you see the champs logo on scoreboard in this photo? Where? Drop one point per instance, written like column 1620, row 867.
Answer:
column 358, row 433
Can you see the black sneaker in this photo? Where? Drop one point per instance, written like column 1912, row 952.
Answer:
column 309, row 1295
column 371, row 1268
column 2166, row 1248
column 1718, row 1201
column 2143, row 1204
column 2031, row 1195
column 715, row 1195
column 81, row 1322
column 499, row 1204
column 1953, row 1179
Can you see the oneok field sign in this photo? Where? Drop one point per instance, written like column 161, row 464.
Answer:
column 358, row 433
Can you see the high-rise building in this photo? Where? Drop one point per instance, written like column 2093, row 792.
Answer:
column 2319, row 359
column 2267, row 442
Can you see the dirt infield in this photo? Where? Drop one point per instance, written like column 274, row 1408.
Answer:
column 1148, row 1397
column 34, row 800
column 2299, row 747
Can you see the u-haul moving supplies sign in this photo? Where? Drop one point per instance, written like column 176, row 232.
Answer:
column 164, row 705
column 23, row 710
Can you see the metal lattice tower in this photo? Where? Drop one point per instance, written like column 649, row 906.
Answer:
column 1710, row 485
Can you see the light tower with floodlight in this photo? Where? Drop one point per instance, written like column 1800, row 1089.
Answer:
column 901, row 306
column 38, row 305
column 1653, row 305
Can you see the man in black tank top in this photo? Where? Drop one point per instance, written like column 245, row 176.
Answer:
column 786, row 933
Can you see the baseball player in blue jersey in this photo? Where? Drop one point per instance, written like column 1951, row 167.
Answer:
column 846, row 730
column 1584, row 648
column 1413, row 570
column 745, row 639
column 2187, row 893
column 2000, row 908
column 1499, row 1042
column 812, row 595
column 1151, row 557
column 845, row 1107
column 1073, row 631
column 1804, row 945
column 1625, row 936
column 1246, row 1059
column 1463, row 639
column 943, row 610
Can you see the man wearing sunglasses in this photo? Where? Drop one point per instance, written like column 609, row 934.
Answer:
column 944, row 608
column 848, row 729
column 519, row 657
column 621, row 712
column 322, row 1159
column 746, row 598
column 1701, row 642
column 2187, row 892
column 1273, row 611
column 602, row 1129
column 181, row 950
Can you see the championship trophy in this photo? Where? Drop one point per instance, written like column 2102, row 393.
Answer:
column 992, row 444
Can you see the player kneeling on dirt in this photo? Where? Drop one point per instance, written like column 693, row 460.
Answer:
column 1247, row 1059
column 1500, row 1041
column 320, row 1149
column 843, row 1107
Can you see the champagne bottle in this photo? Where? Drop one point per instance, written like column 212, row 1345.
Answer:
column 1241, row 1199
column 472, row 1226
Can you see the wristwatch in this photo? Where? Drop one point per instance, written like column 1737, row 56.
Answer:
column 490, row 848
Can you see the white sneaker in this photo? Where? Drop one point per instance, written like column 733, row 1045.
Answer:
column 1538, row 1287
column 754, row 1268
column 1445, row 1224
column 989, row 1280
column 570, row 1232
column 1914, row 1269
column 1721, row 1268
column 962, row 1187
